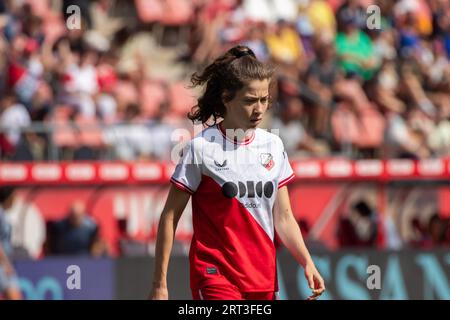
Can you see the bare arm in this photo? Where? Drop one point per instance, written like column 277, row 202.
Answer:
column 291, row 236
column 174, row 207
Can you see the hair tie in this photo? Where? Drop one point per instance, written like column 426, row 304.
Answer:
column 242, row 51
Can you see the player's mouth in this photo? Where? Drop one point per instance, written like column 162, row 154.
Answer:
column 256, row 121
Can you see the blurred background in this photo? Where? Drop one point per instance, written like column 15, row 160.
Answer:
column 93, row 103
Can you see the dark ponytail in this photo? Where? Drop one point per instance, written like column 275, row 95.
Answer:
column 226, row 75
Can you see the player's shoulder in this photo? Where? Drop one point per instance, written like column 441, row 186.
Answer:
column 203, row 137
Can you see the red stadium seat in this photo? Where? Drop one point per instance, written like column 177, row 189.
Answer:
column 364, row 130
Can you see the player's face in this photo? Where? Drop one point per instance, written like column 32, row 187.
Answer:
column 245, row 111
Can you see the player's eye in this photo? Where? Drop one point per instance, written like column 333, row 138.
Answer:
column 253, row 101
column 250, row 101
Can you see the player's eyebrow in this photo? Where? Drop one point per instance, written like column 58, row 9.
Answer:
column 255, row 97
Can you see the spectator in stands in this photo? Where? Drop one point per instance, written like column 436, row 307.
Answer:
column 439, row 139
column 351, row 10
column 319, row 78
column 18, row 140
column 13, row 118
column 101, row 69
column 24, row 69
column 435, row 233
column 295, row 138
column 9, row 284
column 107, row 81
column 356, row 122
column 129, row 140
column 255, row 41
column 438, row 230
column 285, row 47
column 76, row 234
column 210, row 20
column 355, row 48
column 400, row 139
column 359, row 227
column 80, row 81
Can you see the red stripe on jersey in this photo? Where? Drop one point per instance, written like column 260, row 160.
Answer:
column 285, row 181
column 228, row 246
column 181, row 186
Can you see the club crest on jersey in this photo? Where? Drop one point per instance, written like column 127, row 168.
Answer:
column 266, row 160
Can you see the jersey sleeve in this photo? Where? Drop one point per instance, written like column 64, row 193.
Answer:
column 187, row 174
column 286, row 172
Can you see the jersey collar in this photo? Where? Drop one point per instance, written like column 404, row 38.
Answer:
column 243, row 142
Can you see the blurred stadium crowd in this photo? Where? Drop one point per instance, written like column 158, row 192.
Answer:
column 117, row 88
column 360, row 79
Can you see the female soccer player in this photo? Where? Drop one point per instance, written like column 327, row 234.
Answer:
column 236, row 175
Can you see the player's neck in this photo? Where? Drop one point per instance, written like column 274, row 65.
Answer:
column 234, row 132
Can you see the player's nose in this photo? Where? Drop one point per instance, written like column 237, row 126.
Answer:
column 259, row 107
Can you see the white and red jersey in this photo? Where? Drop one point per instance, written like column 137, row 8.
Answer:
column 233, row 187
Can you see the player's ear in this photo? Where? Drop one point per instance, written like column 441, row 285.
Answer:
column 226, row 98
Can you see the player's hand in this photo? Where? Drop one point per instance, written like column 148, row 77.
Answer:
column 159, row 294
column 315, row 281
